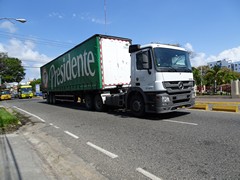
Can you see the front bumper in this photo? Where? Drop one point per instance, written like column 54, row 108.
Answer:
column 167, row 103
column 26, row 95
column 5, row 97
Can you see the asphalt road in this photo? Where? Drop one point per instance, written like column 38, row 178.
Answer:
column 187, row 144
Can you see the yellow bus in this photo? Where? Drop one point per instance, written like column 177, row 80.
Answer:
column 5, row 94
column 25, row 91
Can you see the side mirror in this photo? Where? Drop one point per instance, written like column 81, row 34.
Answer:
column 134, row 48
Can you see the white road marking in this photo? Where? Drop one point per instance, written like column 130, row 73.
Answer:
column 51, row 124
column 30, row 114
column 148, row 174
column 71, row 134
column 111, row 155
column 181, row 122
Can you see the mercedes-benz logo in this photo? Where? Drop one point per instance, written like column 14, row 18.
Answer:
column 180, row 85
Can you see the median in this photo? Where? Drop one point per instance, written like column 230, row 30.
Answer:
column 218, row 106
column 10, row 120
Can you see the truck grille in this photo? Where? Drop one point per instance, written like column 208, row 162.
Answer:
column 176, row 87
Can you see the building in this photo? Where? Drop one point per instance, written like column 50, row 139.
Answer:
column 220, row 63
column 234, row 66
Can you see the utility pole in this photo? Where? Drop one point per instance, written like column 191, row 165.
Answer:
column 201, row 80
column 105, row 15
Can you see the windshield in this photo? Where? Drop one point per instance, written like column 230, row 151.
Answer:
column 172, row 60
column 5, row 92
column 26, row 90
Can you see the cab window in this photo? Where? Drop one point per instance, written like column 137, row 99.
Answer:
column 143, row 60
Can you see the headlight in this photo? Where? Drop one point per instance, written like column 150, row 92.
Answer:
column 165, row 99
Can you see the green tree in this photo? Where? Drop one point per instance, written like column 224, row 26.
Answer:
column 11, row 69
column 197, row 76
column 199, row 73
column 214, row 75
column 218, row 76
column 229, row 75
column 34, row 82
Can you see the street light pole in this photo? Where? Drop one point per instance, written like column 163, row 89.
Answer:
column 21, row 20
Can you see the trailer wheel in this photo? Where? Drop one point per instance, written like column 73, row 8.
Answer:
column 98, row 103
column 137, row 106
column 89, row 102
column 48, row 98
column 53, row 99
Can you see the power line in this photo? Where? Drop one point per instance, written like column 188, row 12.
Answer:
column 37, row 40
column 29, row 67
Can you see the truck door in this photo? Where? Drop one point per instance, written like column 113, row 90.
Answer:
column 143, row 77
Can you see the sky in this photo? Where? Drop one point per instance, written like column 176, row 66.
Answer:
column 210, row 29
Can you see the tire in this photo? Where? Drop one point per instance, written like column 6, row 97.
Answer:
column 48, row 98
column 89, row 102
column 137, row 106
column 53, row 99
column 98, row 103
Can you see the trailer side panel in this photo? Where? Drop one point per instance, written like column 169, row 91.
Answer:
column 77, row 69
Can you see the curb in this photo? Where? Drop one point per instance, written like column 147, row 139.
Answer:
column 230, row 108
column 201, row 106
column 218, row 106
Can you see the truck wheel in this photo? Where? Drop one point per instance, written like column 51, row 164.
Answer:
column 137, row 106
column 48, row 98
column 98, row 103
column 89, row 102
column 53, row 99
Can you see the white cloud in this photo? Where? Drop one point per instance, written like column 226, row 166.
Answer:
column 9, row 26
column 230, row 54
column 74, row 15
column 188, row 47
column 83, row 16
column 56, row 14
column 25, row 51
column 91, row 18
column 200, row 58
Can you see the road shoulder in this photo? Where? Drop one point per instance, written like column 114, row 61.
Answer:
column 61, row 159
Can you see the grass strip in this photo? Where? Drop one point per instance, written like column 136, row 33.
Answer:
column 7, row 120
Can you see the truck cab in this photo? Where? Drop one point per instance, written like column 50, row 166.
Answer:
column 161, row 79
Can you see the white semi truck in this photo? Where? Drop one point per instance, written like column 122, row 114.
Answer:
column 108, row 71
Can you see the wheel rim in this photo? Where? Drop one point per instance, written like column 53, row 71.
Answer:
column 137, row 106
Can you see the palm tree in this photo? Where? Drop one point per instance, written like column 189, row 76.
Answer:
column 229, row 75
column 214, row 76
column 218, row 76
column 196, row 76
